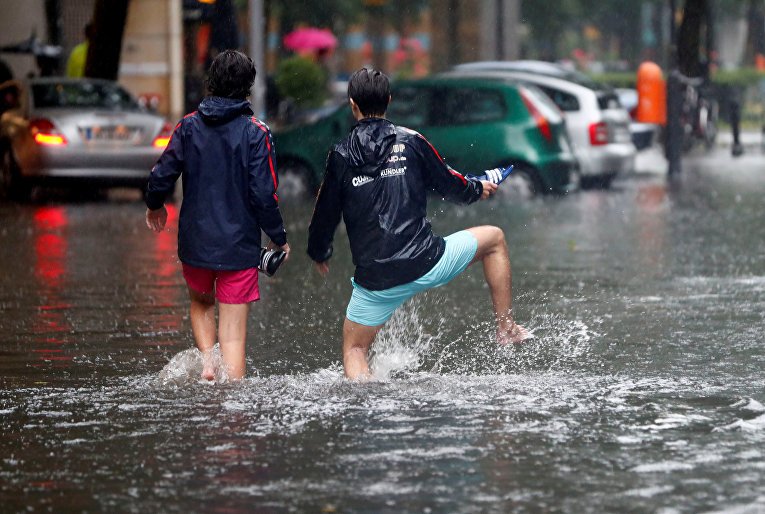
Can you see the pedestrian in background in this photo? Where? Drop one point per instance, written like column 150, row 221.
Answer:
column 377, row 180
column 226, row 158
column 75, row 65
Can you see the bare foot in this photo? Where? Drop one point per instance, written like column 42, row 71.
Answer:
column 516, row 334
column 208, row 368
column 360, row 377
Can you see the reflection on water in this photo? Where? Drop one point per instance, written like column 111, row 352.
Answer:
column 642, row 391
column 50, row 249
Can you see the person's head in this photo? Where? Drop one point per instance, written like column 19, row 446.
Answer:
column 231, row 75
column 369, row 91
column 89, row 31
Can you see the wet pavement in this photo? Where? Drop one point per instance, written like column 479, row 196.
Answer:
column 642, row 392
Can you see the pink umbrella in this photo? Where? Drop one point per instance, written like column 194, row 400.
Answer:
column 310, row 39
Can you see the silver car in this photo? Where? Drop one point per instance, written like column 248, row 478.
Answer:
column 597, row 124
column 78, row 131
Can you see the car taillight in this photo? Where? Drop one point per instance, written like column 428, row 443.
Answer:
column 543, row 124
column 45, row 133
column 599, row 133
column 162, row 140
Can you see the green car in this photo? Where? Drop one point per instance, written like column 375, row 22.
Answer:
column 475, row 124
column 481, row 123
column 302, row 148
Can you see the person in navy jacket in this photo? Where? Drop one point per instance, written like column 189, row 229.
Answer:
column 377, row 180
column 226, row 158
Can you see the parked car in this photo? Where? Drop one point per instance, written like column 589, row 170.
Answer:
column 480, row 123
column 302, row 147
column 547, row 69
column 599, row 127
column 643, row 134
column 78, row 131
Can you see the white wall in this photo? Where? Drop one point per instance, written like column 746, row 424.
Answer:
column 18, row 19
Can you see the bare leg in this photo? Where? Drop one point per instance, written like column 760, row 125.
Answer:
column 203, row 326
column 492, row 252
column 357, row 339
column 232, row 332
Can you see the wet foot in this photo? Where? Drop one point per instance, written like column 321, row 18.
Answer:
column 208, row 369
column 363, row 376
column 208, row 374
column 517, row 334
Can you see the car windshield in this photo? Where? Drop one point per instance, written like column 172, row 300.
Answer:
column 94, row 95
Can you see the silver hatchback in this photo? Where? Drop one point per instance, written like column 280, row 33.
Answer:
column 78, row 131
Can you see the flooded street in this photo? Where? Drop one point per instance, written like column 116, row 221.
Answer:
column 642, row 391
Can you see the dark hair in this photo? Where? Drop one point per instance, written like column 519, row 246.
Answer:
column 370, row 90
column 89, row 31
column 231, row 75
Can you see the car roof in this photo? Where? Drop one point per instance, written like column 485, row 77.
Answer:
column 447, row 78
column 521, row 76
column 69, row 80
column 546, row 68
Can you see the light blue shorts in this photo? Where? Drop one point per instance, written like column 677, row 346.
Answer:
column 372, row 308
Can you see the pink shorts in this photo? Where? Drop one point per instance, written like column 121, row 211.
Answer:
column 229, row 286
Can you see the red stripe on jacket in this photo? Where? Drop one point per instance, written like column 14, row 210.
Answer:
column 453, row 172
column 268, row 146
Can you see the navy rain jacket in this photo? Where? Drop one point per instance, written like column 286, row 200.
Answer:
column 378, row 179
column 226, row 157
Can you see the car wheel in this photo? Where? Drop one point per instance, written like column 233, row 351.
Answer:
column 598, row 182
column 522, row 183
column 295, row 180
column 14, row 187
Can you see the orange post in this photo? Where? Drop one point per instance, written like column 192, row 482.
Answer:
column 652, row 94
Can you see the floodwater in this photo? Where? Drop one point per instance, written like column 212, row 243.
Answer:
column 642, row 392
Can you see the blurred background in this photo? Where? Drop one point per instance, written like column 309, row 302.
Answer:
column 160, row 49
column 664, row 73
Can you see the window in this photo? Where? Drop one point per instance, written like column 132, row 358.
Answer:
column 82, row 94
column 565, row 102
column 409, row 106
column 459, row 106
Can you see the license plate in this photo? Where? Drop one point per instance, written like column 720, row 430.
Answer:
column 122, row 133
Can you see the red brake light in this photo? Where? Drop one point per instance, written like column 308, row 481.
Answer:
column 599, row 134
column 543, row 124
column 45, row 133
column 162, row 140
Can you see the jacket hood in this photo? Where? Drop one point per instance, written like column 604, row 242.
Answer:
column 369, row 145
column 216, row 110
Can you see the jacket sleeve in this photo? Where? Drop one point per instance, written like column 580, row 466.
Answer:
column 442, row 178
column 327, row 212
column 263, row 183
column 169, row 167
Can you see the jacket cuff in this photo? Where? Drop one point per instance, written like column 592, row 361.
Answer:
column 154, row 201
column 479, row 188
column 279, row 239
column 319, row 257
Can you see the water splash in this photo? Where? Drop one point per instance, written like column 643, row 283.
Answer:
column 401, row 345
column 185, row 368
column 558, row 344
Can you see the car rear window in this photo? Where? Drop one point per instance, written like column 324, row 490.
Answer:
column 459, row 106
column 608, row 100
column 566, row 102
column 82, row 94
column 409, row 106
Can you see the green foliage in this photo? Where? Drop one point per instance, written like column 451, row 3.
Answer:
column 616, row 79
column 740, row 77
column 315, row 14
column 302, row 80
